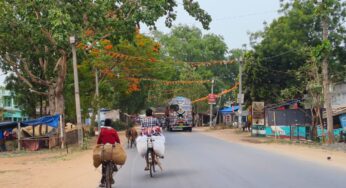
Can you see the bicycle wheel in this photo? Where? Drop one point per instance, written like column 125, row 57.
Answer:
column 153, row 158
column 109, row 173
column 150, row 161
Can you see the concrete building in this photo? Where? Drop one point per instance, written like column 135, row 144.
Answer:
column 339, row 94
column 114, row 115
column 9, row 110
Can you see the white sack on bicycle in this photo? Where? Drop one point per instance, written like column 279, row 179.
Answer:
column 159, row 145
column 141, row 143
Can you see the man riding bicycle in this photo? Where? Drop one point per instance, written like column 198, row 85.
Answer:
column 149, row 126
column 107, row 135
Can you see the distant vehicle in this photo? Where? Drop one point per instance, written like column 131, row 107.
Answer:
column 162, row 121
column 180, row 114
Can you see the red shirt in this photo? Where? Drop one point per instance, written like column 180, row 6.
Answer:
column 108, row 135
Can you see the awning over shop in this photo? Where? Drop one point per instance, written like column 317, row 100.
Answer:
column 52, row 121
column 229, row 109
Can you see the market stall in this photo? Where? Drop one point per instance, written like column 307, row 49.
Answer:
column 31, row 134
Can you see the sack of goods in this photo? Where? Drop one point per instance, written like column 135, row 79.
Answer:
column 158, row 145
column 141, row 143
column 109, row 152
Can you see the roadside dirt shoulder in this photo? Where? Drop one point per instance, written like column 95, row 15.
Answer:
column 52, row 169
column 306, row 152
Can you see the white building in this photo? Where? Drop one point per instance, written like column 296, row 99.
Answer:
column 114, row 115
column 339, row 94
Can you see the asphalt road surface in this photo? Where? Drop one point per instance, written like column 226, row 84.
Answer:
column 193, row 160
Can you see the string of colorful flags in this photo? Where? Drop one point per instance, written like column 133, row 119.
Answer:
column 115, row 55
column 218, row 95
column 125, row 57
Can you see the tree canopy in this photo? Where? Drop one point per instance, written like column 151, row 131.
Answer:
column 34, row 35
column 285, row 46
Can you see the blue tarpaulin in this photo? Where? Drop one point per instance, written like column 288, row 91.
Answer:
column 6, row 125
column 229, row 109
column 52, row 121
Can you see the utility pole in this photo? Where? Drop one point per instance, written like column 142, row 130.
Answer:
column 98, row 102
column 76, row 91
column 240, row 95
column 211, row 105
column 326, row 83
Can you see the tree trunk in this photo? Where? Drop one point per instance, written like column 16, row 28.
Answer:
column 327, row 97
column 51, row 99
column 321, row 124
column 314, row 123
column 59, row 103
column 41, row 107
column 59, row 96
column 327, row 102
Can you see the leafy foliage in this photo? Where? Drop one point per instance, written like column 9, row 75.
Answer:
column 281, row 50
column 188, row 44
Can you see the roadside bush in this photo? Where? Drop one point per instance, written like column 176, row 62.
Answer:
column 86, row 143
column 119, row 125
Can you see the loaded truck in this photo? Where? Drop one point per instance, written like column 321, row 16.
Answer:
column 179, row 115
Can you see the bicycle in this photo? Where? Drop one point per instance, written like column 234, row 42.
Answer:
column 110, row 168
column 151, row 156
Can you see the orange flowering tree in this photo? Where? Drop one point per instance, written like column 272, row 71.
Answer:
column 122, row 67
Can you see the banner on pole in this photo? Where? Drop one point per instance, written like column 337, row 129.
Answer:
column 257, row 113
column 212, row 98
column 240, row 98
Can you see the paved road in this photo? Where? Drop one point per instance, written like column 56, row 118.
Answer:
column 194, row 160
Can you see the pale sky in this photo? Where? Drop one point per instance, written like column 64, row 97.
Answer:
column 2, row 78
column 232, row 19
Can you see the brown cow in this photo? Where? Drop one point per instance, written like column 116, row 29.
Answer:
column 131, row 135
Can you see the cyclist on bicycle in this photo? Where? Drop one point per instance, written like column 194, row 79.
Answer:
column 107, row 135
column 149, row 126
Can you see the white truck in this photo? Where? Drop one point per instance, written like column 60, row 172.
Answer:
column 180, row 114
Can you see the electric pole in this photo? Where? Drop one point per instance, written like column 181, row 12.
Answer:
column 211, row 105
column 76, row 91
column 240, row 95
column 98, row 102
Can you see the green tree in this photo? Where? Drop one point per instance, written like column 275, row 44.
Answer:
column 280, row 50
column 188, row 44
